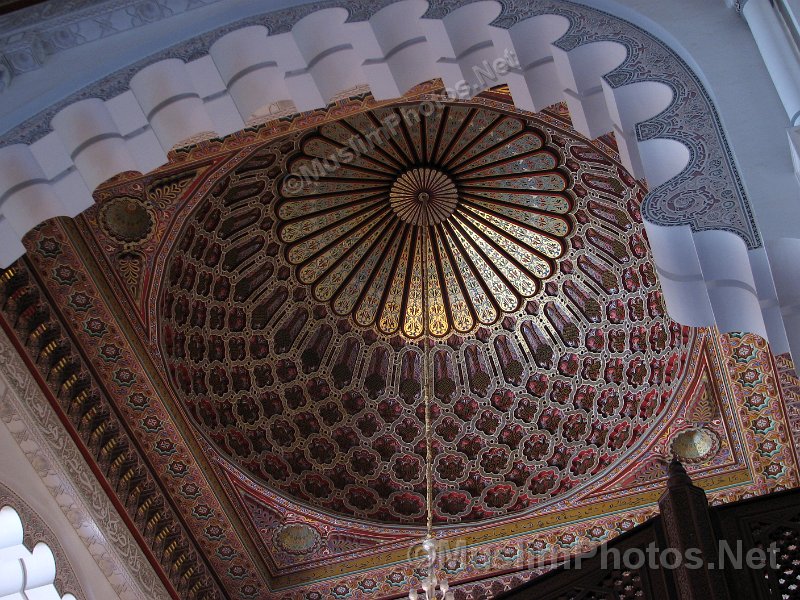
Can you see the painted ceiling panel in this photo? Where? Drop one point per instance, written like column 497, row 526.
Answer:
column 300, row 299
column 242, row 356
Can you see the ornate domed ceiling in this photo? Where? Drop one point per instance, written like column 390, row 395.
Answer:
column 260, row 419
column 292, row 317
column 476, row 196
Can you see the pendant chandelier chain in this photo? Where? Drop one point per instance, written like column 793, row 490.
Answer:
column 431, row 586
column 427, row 387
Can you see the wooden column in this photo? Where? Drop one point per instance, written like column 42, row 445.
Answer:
column 687, row 525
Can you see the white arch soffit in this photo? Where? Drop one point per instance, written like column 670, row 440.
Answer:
column 600, row 65
column 25, row 573
column 57, row 462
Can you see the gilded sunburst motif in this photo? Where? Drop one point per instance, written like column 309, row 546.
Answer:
column 423, row 197
column 464, row 205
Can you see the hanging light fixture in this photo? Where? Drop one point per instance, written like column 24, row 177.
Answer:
column 433, row 588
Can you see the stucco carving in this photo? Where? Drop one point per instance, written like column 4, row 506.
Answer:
column 707, row 194
column 57, row 461
column 36, row 530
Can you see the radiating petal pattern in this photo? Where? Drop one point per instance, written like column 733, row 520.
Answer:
column 286, row 314
column 462, row 211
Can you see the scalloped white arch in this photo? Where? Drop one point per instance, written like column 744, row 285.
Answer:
column 612, row 73
column 25, row 573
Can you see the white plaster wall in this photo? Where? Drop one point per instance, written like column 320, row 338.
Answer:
column 18, row 475
column 714, row 39
column 756, row 125
column 730, row 65
column 741, row 87
column 74, row 69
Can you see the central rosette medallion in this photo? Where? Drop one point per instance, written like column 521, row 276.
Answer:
column 423, row 197
column 487, row 187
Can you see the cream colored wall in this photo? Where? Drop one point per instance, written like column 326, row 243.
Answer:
column 41, row 464
column 17, row 474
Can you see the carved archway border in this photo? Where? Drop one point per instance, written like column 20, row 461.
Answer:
column 708, row 190
column 36, row 428
column 707, row 194
column 35, row 530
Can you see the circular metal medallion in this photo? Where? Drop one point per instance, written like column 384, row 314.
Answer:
column 297, row 538
column 126, row 219
column 695, row 445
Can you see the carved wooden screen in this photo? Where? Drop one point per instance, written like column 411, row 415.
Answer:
column 759, row 523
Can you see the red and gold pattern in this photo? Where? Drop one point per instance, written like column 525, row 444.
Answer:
column 790, row 388
column 265, row 346
column 259, row 542
column 755, row 386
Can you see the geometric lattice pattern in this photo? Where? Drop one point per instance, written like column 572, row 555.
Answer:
column 326, row 408
column 790, row 389
column 615, row 585
column 783, row 582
